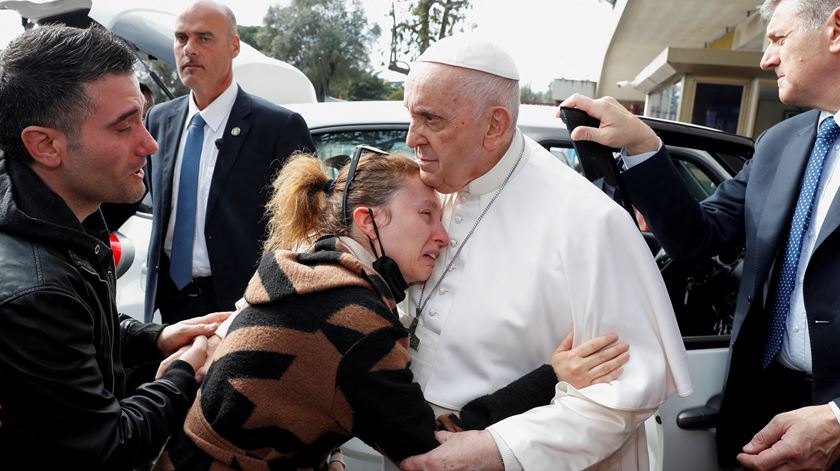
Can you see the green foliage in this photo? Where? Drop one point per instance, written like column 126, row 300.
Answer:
column 529, row 96
column 323, row 38
column 397, row 94
column 427, row 22
column 367, row 86
column 248, row 34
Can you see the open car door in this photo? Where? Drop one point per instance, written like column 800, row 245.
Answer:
column 702, row 291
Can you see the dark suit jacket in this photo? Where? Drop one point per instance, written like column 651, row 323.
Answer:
column 754, row 208
column 235, row 223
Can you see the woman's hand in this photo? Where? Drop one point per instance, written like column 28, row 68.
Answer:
column 195, row 354
column 175, row 336
column 598, row 360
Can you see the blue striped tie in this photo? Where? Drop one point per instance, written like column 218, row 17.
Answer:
column 180, row 269
column 786, row 279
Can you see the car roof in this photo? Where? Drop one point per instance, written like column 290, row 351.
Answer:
column 537, row 121
column 331, row 114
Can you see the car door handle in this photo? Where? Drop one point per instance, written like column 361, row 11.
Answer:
column 701, row 417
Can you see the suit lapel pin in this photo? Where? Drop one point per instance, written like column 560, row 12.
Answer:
column 235, row 131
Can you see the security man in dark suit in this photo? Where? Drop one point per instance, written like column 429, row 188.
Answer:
column 780, row 403
column 219, row 148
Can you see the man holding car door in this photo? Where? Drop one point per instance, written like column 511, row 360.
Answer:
column 780, row 403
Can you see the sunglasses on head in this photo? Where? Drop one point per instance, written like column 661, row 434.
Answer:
column 351, row 174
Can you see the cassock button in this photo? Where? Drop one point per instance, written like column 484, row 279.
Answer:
column 453, row 243
column 433, row 313
column 443, row 291
column 459, row 219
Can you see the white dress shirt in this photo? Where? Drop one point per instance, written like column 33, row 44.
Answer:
column 796, row 344
column 215, row 116
column 551, row 255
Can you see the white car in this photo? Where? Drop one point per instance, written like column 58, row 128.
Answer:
column 681, row 433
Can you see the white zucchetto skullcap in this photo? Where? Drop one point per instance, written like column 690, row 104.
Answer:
column 471, row 51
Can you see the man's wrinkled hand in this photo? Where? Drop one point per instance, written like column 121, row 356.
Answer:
column 598, row 360
column 473, row 450
column 806, row 438
column 175, row 336
column 619, row 127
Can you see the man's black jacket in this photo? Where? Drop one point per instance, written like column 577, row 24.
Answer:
column 63, row 347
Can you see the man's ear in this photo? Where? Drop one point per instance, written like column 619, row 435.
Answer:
column 834, row 25
column 236, row 45
column 497, row 128
column 364, row 222
column 47, row 146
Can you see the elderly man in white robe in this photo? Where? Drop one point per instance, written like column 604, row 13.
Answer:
column 535, row 251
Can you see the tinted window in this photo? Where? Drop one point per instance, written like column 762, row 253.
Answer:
column 336, row 147
column 156, row 73
column 696, row 180
column 703, row 291
column 568, row 156
column 717, row 106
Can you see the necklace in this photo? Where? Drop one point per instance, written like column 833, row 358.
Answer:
column 414, row 342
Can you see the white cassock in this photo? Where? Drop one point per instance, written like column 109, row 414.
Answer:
column 552, row 254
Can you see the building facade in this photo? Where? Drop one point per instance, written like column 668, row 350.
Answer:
column 695, row 61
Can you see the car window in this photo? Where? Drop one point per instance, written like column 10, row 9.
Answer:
column 734, row 162
column 568, row 156
column 336, row 147
column 702, row 291
column 698, row 182
column 157, row 75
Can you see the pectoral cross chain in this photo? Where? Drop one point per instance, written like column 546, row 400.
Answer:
column 413, row 341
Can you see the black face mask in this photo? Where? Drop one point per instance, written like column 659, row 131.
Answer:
column 387, row 267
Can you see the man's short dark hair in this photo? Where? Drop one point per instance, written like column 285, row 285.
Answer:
column 43, row 73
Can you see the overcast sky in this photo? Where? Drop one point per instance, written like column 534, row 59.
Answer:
column 548, row 38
